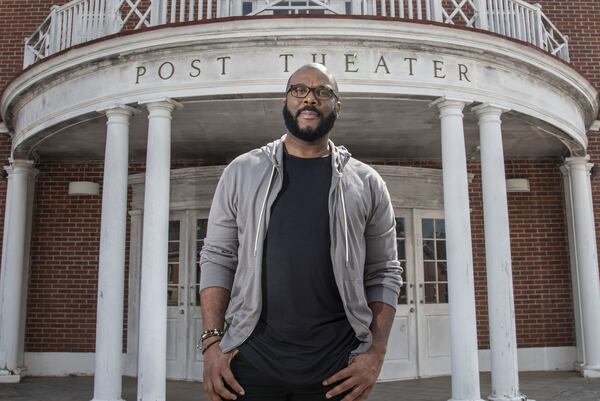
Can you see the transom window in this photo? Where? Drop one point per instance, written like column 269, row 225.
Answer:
column 435, row 278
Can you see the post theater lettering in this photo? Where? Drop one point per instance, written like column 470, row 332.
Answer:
column 351, row 63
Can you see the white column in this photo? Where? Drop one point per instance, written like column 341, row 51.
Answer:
column 587, row 261
column 573, row 266
column 461, row 288
column 111, row 270
column 501, row 308
column 152, row 352
column 13, row 274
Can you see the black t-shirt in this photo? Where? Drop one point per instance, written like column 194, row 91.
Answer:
column 303, row 335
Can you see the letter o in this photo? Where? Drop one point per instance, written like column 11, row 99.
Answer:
column 160, row 70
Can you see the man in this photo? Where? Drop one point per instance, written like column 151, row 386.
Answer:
column 299, row 271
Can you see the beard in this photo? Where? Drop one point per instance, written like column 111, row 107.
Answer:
column 308, row 134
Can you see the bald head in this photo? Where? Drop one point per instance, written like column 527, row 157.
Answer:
column 319, row 67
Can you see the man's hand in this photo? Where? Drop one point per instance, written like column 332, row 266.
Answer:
column 217, row 373
column 359, row 376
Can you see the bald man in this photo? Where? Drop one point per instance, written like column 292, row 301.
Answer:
column 299, row 271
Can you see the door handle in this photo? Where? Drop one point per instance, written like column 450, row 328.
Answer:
column 412, row 310
column 181, row 311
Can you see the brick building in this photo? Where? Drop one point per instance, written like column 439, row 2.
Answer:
column 496, row 100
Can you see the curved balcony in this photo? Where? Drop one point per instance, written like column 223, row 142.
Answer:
column 81, row 21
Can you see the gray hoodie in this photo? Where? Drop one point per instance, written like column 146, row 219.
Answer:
column 363, row 239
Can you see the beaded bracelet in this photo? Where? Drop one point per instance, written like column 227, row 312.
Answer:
column 208, row 334
column 211, row 333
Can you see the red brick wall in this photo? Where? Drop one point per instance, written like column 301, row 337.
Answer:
column 61, row 310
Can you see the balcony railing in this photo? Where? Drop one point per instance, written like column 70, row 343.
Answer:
column 80, row 21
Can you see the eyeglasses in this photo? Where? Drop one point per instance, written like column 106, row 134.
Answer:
column 321, row 92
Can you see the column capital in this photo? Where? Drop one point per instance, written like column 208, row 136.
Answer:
column 449, row 106
column 118, row 110
column 488, row 112
column 19, row 166
column 578, row 163
column 164, row 104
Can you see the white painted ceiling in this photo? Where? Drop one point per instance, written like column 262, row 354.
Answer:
column 374, row 129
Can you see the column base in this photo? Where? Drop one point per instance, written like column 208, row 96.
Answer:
column 114, row 399
column 590, row 371
column 503, row 398
column 464, row 399
column 12, row 376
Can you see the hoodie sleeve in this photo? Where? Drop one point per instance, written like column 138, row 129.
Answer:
column 382, row 277
column 219, row 255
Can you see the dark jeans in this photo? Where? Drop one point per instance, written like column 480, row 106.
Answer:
column 258, row 387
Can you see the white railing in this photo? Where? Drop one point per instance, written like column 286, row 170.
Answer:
column 80, row 21
column 521, row 20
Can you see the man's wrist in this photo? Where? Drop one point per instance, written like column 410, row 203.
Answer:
column 380, row 349
column 209, row 343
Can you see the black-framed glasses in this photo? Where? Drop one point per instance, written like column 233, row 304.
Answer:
column 321, row 92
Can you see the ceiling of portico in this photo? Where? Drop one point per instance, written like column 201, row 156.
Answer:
column 374, row 129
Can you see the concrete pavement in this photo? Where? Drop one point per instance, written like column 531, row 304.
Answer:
column 539, row 386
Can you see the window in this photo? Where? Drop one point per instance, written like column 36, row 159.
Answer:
column 173, row 264
column 348, row 5
column 246, row 7
column 200, row 235
column 435, row 277
column 401, row 244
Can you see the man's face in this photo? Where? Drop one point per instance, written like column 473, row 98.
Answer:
column 310, row 118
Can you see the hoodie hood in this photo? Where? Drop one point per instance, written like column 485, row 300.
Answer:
column 339, row 154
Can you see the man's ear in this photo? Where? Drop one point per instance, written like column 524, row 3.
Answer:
column 283, row 101
column 338, row 106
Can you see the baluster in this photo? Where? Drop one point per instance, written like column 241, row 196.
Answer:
column 514, row 20
column 63, row 30
column 419, row 9
column 200, row 9
column 209, row 9
column 67, row 41
column 75, row 28
column 182, row 11
column 496, row 17
column 507, row 29
column 519, row 13
column 103, row 19
column 383, row 12
column 392, row 8
column 85, row 26
column 173, row 11
column 191, row 10
column 410, row 9
column 541, row 40
column 428, row 15
column 218, row 7
column 95, row 13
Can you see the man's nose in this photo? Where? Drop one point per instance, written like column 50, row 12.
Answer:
column 310, row 98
